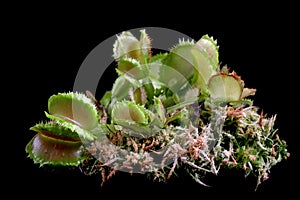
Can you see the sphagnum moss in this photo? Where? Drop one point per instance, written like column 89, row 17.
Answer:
column 167, row 111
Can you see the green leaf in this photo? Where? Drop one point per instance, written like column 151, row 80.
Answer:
column 191, row 95
column 120, row 89
column 132, row 70
column 145, row 46
column 43, row 150
column 149, row 89
column 128, row 46
column 132, row 116
column 127, row 110
column 160, row 111
column 75, row 107
column 140, row 96
column 209, row 45
column 192, row 61
column 186, row 97
column 225, row 88
column 165, row 77
column 204, row 68
column 52, row 129
column 83, row 133
column 127, row 64
column 180, row 59
column 158, row 57
column 106, row 99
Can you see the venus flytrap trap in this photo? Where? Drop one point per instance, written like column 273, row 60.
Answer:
column 165, row 111
column 58, row 141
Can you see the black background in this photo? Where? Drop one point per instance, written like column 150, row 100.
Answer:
column 45, row 46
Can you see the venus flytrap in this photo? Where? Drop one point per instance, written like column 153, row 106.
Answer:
column 54, row 145
column 131, row 116
column 128, row 46
column 59, row 140
column 178, row 109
